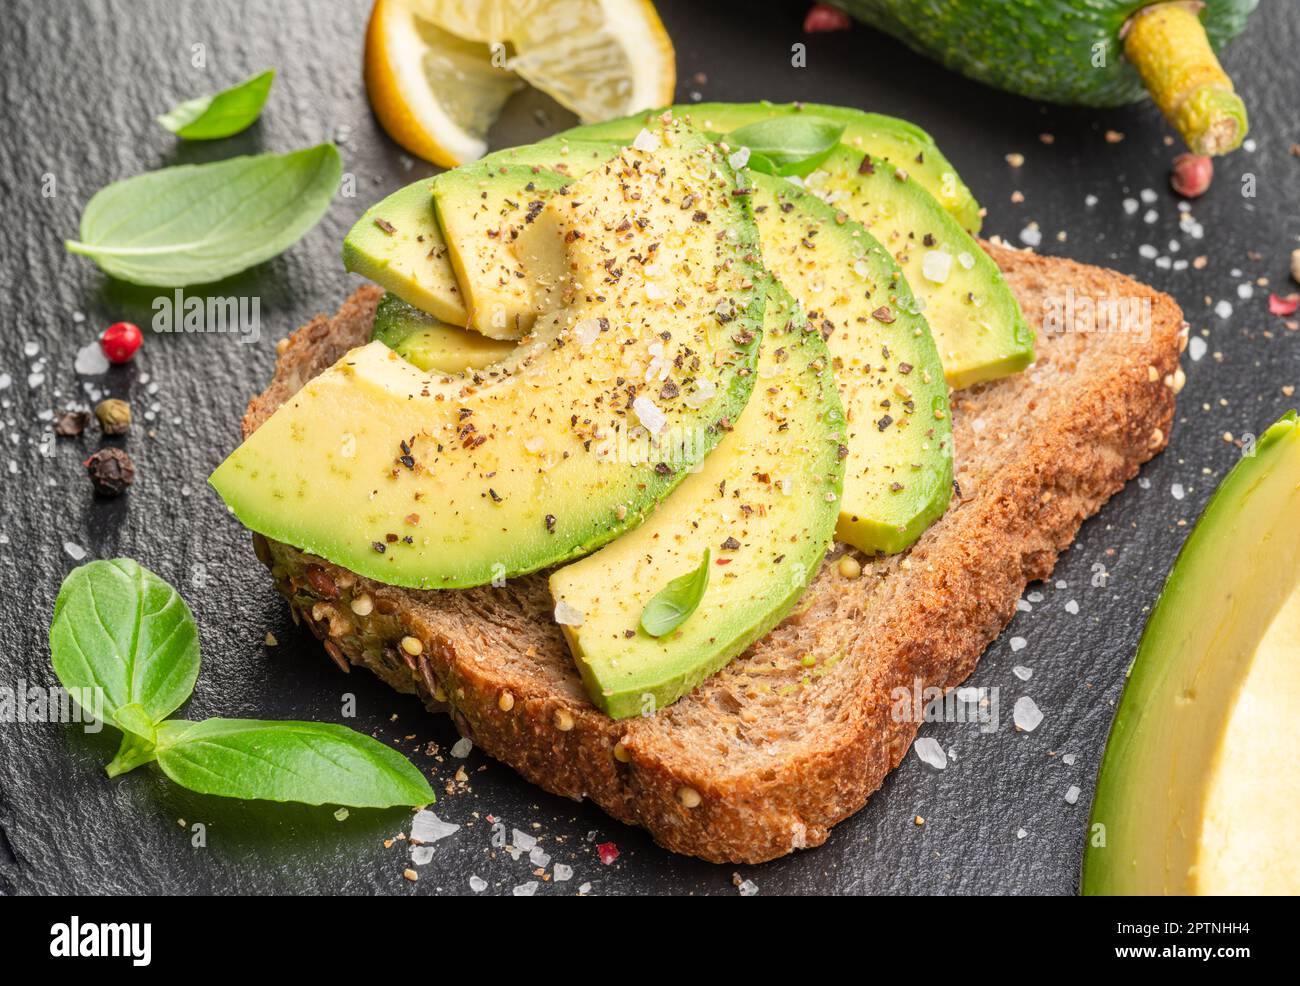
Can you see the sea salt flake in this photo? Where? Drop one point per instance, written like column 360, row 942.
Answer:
column 1026, row 714
column 477, row 884
column 522, row 840
column 421, row 855
column 1245, row 291
column 1024, row 606
column 739, row 159
column 529, row 888
column 1031, row 236
column 936, row 266
column 1130, row 206
column 1021, row 833
column 567, row 615
column 428, row 827
column 75, row 551
column 460, row 749
column 1072, row 795
column 646, row 141
column 562, row 872
column 1147, row 251
column 31, row 348
column 1069, row 759
column 539, row 857
column 747, row 888
column 1223, row 309
column 649, row 415
column 586, row 331
column 705, row 390
column 930, row 752
column 1018, row 643
column 90, row 361
column 966, row 259
column 1177, row 491
column 1072, row 607
column 1196, row 347
column 1022, row 672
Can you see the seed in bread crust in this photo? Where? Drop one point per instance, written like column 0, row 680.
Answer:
column 849, row 567
column 621, row 754
column 689, row 797
column 506, row 702
column 563, row 721
column 363, row 605
column 412, row 646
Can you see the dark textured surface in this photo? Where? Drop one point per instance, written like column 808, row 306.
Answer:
column 87, row 120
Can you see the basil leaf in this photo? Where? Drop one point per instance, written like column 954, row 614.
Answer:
column 221, row 114
column 311, row 762
column 793, row 145
column 196, row 223
column 671, row 605
column 120, row 628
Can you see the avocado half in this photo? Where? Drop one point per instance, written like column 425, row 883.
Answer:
column 1199, row 791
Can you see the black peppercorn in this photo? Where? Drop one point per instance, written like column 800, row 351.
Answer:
column 111, row 471
column 70, row 424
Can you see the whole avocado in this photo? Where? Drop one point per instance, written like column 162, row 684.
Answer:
column 1061, row 51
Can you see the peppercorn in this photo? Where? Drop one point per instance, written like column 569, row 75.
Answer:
column 70, row 424
column 111, row 471
column 114, row 416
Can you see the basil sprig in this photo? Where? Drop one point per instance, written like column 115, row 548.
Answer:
column 671, row 605
column 196, row 223
column 221, row 114
column 121, row 629
column 787, row 145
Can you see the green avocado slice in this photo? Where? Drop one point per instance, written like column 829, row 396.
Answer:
column 431, row 344
column 1197, row 792
column 899, row 470
column 888, row 138
column 447, row 481
column 975, row 319
column 399, row 245
column 762, row 509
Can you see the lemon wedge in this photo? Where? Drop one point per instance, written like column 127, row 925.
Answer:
column 435, row 93
column 600, row 58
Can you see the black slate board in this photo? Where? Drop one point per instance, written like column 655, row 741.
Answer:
column 81, row 84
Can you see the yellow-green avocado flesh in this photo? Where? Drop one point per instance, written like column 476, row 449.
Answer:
column 764, row 506
column 891, row 380
column 976, row 321
column 898, row 475
column 436, row 481
column 432, row 344
column 1199, row 791
column 888, row 138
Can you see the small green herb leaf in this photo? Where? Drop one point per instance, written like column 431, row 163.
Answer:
column 196, row 223
column 221, row 114
column 310, row 762
column 120, row 628
column 136, row 721
column 792, row 145
column 672, row 604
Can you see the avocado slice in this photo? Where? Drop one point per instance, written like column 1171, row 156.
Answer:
column 482, row 212
column 975, row 319
column 393, row 244
column 898, row 476
column 887, row 138
column 763, row 507
column 431, row 344
column 1197, row 790
column 433, row 481
column 399, row 245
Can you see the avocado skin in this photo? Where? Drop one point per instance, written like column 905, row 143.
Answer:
column 1125, row 812
column 1042, row 49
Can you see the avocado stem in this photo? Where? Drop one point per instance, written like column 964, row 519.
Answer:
column 1167, row 44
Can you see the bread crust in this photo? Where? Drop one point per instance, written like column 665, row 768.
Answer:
column 777, row 753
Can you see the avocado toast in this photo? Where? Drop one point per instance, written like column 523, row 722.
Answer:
column 772, row 746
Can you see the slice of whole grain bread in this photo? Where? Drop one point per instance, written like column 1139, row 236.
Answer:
column 768, row 754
